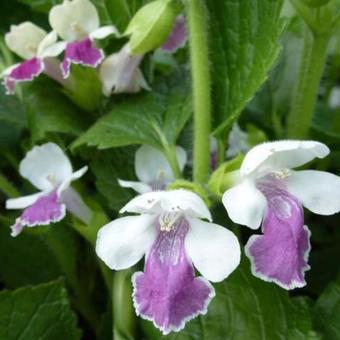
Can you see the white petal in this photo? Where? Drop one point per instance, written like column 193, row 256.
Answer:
column 74, row 176
column 103, row 32
column 24, row 201
column 46, row 166
column 50, row 48
column 141, row 81
column 245, row 204
column 187, row 202
column 319, row 191
column 24, row 39
column 74, row 20
column 124, row 241
column 152, row 166
column 119, row 73
column 214, row 250
column 139, row 187
column 75, row 204
column 50, row 39
column 268, row 157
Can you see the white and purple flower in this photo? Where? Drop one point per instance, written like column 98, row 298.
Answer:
column 153, row 169
column 48, row 169
column 120, row 73
column 171, row 234
column 33, row 44
column 274, row 195
column 77, row 22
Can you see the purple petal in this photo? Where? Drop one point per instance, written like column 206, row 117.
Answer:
column 25, row 71
column 177, row 37
column 168, row 293
column 43, row 211
column 81, row 52
column 281, row 254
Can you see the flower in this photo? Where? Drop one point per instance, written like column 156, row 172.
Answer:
column 48, row 169
column 77, row 22
column 120, row 73
column 153, row 169
column 178, row 36
column 33, row 44
column 171, row 234
column 271, row 193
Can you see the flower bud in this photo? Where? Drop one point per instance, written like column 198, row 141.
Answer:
column 225, row 176
column 151, row 25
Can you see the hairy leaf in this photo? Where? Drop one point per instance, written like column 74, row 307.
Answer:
column 149, row 118
column 48, row 110
column 40, row 5
column 327, row 312
column 244, row 45
column 11, row 110
column 108, row 166
column 39, row 312
column 26, row 259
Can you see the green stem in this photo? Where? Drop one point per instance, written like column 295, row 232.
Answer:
column 305, row 93
column 122, row 308
column 199, row 54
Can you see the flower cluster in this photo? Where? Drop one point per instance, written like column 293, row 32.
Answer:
column 174, row 229
column 77, row 24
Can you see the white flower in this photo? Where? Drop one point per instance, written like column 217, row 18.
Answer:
column 28, row 41
column 171, row 234
column 49, row 170
column 153, row 169
column 33, row 44
column 77, row 22
column 120, row 73
column 272, row 194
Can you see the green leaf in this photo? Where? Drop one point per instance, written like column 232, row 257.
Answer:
column 275, row 95
column 149, row 118
column 105, row 18
column 40, row 5
column 248, row 308
column 327, row 312
column 39, row 312
column 327, row 122
column 25, row 259
column 48, row 110
column 244, row 45
column 107, row 167
column 11, row 110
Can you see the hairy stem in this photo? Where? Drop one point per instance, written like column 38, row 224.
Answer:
column 198, row 37
column 305, row 93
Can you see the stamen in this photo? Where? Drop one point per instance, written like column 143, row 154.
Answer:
column 160, row 175
column 168, row 220
column 77, row 28
column 31, row 48
column 281, row 174
column 52, row 179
